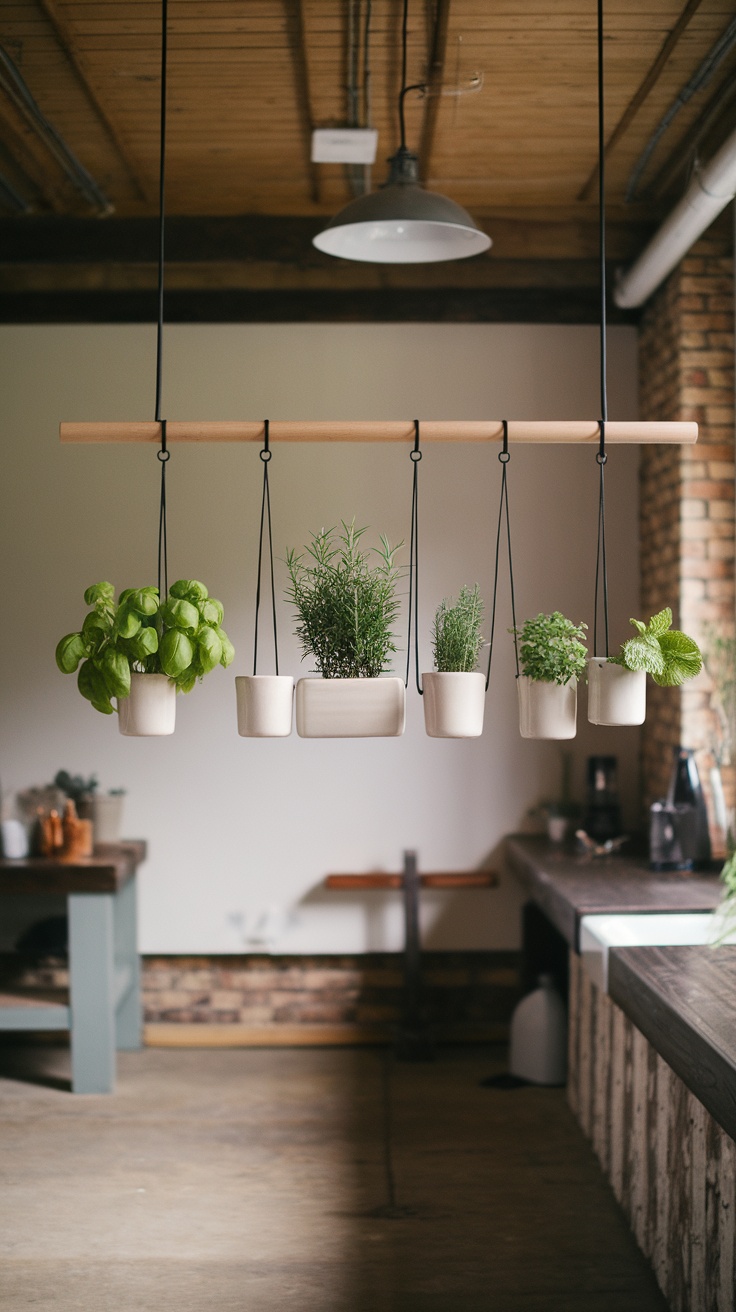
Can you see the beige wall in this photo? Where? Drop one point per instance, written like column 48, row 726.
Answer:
column 237, row 827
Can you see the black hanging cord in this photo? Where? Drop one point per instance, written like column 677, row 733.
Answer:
column 601, row 570
column 163, row 453
column 265, row 519
column 504, row 457
column 163, row 562
column 418, row 86
column 415, row 456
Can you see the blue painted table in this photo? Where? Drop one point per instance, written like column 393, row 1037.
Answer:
column 102, row 1010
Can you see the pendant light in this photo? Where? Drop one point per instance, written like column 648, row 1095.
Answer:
column 402, row 223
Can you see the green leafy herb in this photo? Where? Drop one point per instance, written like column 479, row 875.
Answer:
column 724, row 922
column 183, row 638
column 668, row 655
column 345, row 607
column 552, row 649
column 456, row 635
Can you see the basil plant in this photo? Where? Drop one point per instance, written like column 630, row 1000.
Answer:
column 183, row 638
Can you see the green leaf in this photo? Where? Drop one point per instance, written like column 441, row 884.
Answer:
column 127, row 623
column 639, row 626
column 228, row 651
column 115, row 670
column 92, row 686
column 189, row 590
column 660, row 622
column 212, row 611
column 176, row 652
column 144, row 601
column 643, row 653
column 209, row 649
column 681, row 657
column 99, row 592
column 145, row 643
column 96, row 626
column 69, row 652
column 187, row 680
column 180, row 615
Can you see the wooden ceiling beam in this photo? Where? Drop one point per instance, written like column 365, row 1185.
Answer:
column 643, row 90
column 64, row 33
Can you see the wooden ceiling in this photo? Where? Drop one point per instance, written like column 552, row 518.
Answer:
column 507, row 128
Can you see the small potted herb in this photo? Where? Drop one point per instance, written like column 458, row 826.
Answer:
column 141, row 653
column 552, row 655
column 454, row 693
column 617, row 684
column 346, row 607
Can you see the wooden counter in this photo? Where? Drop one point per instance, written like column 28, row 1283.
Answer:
column 683, row 999
column 107, row 871
column 567, row 886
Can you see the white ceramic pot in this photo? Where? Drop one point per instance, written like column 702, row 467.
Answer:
column 150, row 709
column 265, row 704
column 350, row 708
column 615, row 695
column 105, row 810
column 454, row 704
column 547, row 710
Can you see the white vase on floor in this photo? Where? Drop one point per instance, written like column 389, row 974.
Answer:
column 454, row 703
column 616, row 696
column 265, row 705
column 547, row 710
column 150, row 709
column 350, row 708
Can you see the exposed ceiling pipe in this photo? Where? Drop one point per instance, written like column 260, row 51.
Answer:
column 709, row 192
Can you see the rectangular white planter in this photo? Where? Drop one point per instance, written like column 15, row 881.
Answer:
column 350, row 708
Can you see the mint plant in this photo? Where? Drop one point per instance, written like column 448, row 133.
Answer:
column 456, row 632
column 345, row 606
column 183, row 638
column 552, row 649
column 668, row 655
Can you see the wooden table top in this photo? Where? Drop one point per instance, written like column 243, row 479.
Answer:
column 683, row 999
column 567, row 886
column 111, row 866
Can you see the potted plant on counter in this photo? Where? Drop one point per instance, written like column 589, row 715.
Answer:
column 454, row 693
column 617, row 684
column 346, row 607
column 141, row 653
column 552, row 656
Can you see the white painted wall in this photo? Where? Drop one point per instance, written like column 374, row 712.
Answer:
column 237, row 827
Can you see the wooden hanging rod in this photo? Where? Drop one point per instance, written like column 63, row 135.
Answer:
column 576, row 431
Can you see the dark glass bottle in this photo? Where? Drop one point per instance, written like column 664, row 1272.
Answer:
column 686, row 790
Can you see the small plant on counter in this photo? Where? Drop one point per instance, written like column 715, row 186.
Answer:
column 552, row 649
column 668, row 655
column 724, row 917
column 456, row 633
column 181, row 639
column 346, row 607
column 75, row 785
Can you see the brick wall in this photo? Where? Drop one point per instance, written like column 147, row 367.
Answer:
column 687, row 494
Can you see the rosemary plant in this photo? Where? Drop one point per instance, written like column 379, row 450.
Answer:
column 345, row 607
column 552, row 649
column 456, row 635
column 724, row 917
column 669, row 656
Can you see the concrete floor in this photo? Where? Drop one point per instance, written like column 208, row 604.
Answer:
column 258, row 1181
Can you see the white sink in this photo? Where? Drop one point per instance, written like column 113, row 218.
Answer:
column 659, row 929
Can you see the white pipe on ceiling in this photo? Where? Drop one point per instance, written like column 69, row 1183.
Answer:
column 709, row 192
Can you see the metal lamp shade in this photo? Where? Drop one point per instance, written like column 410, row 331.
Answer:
column 402, row 224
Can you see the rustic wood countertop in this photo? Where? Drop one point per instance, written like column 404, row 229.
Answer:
column 567, row 886
column 683, row 999
column 111, row 866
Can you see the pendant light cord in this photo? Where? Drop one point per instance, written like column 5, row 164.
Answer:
column 265, row 455
column 504, row 457
column 415, row 456
column 417, row 86
column 163, row 453
column 601, row 570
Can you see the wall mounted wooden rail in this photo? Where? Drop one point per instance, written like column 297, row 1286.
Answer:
column 577, row 431
column 440, row 879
